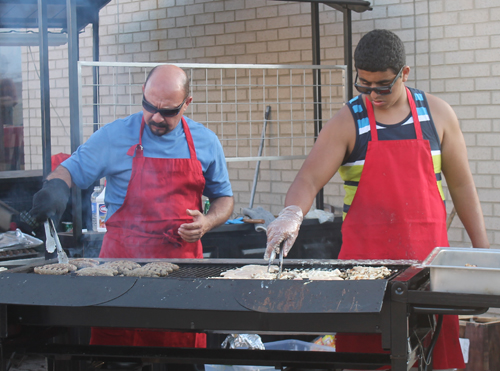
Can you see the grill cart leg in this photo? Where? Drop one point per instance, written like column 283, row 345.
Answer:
column 399, row 330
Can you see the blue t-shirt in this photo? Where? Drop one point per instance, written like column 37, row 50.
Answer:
column 104, row 154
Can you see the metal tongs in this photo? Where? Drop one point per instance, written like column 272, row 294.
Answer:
column 273, row 256
column 52, row 242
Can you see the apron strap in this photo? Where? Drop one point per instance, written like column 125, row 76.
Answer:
column 416, row 121
column 189, row 139
column 371, row 119
column 414, row 114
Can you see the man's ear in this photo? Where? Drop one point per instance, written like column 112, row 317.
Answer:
column 406, row 73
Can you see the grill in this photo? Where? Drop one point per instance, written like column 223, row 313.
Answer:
column 17, row 254
column 398, row 308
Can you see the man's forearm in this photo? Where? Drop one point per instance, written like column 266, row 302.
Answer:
column 220, row 210
column 62, row 173
column 469, row 211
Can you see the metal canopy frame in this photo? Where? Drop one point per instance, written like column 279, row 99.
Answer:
column 346, row 7
column 70, row 16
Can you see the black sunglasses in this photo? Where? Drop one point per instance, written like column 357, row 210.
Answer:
column 165, row 112
column 380, row 90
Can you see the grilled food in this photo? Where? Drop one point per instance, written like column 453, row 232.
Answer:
column 96, row 271
column 55, row 269
column 84, row 262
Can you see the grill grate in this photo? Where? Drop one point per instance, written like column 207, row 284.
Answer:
column 17, row 254
column 205, row 271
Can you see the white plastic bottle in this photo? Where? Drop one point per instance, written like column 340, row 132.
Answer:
column 101, row 211
column 93, row 201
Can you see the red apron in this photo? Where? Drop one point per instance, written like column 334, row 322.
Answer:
column 145, row 226
column 400, row 212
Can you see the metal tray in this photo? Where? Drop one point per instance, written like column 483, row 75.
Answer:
column 464, row 270
column 13, row 240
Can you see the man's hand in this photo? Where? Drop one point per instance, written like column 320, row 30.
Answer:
column 284, row 228
column 50, row 201
column 192, row 232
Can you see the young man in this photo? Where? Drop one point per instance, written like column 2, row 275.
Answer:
column 390, row 145
column 157, row 164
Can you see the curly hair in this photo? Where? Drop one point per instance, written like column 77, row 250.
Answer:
column 380, row 50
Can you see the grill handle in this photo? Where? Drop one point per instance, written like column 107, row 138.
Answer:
column 456, row 311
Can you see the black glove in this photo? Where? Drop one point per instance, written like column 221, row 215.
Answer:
column 50, row 201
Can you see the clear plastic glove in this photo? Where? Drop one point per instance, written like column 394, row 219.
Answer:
column 284, row 228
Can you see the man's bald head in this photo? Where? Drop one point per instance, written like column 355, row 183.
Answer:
column 168, row 74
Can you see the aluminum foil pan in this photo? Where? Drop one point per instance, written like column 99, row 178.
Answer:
column 13, row 240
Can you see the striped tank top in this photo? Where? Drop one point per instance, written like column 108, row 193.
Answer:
column 352, row 167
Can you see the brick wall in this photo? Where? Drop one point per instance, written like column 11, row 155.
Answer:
column 453, row 48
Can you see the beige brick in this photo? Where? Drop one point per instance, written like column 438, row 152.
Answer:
column 269, row 58
column 131, row 27
column 255, row 24
column 460, row 57
column 158, row 13
column 140, row 16
column 214, row 7
column 489, row 55
column 214, row 51
column 278, row 45
column 474, row 16
column 445, row 71
column 204, row 18
column 475, row 98
column 288, row 33
column 185, row 43
column 158, row 35
column 486, row 3
column 140, row 36
column 300, row 20
column 223, row 17
column 175, row 33
column 195, row 9
column 166, row 3
column 487, row 28
column 149, row 25
column 288, row 9
column 205, row 41
column 269, row 35
column 244, row 14
column 266, row 12
column 234, row 4
column 176, row 55
column 167, row 44
column 256, row 48
column 487, row 83
column 234, row 27
column 185, row 21
column 390, row 24
column 300, row 44
column 235, row 49
column 398, row 10
column 160, row 56
column 148, row 4
column 277, row 23
column 444, row 19
column 458, row 5
column 166, row 23
column 244, row 59
column 224, row 39
column 214, row 29
column 246, row 37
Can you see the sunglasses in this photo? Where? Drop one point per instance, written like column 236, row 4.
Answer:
column 380, row 90
column 165, row 112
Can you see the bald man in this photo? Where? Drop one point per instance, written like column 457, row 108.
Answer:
column 157, row 164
